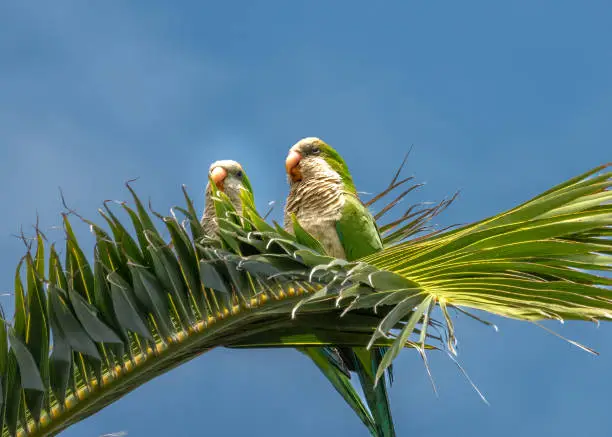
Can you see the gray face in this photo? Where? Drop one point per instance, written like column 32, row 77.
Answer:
column 233, row 182
column 313, row 168
column 235, row 173
column 311, row 165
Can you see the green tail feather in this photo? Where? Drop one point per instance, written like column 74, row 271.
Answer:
column 330, row 364
column 365, row 363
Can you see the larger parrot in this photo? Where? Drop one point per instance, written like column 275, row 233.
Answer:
column 230, row 178
column 323, row 199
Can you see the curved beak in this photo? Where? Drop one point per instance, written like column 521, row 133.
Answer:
column 218, row 175
column 291, row 164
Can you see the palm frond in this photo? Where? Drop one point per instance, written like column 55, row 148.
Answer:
column 83, row 335
column 544, row 259
column 539, row 260
column 416, row 219
column 86, row 332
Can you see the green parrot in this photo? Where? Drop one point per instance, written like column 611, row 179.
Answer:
column 230, row 178
column 323, row 199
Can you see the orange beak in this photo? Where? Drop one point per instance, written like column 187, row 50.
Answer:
column 291, row 164
column 218, row 175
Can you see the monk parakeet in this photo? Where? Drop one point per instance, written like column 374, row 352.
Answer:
column 230, row 178
column 323, row 199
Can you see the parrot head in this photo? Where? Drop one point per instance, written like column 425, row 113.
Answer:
column 229, row 177
column 311, row 158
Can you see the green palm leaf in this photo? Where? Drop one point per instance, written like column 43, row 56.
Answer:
column 144, row 306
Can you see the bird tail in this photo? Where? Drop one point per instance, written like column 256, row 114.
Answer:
column 331, row 364
column 365, row 362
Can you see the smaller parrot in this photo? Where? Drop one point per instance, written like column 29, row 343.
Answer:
column 230, row 178
column 323, row 199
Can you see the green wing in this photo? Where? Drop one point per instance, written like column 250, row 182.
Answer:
column 357, row 230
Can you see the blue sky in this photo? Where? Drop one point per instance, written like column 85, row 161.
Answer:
column 500, row 99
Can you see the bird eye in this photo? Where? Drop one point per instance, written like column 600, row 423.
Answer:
column 239, row 173
column 316, row 150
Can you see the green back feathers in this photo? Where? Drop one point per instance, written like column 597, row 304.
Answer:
column 336, row 162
